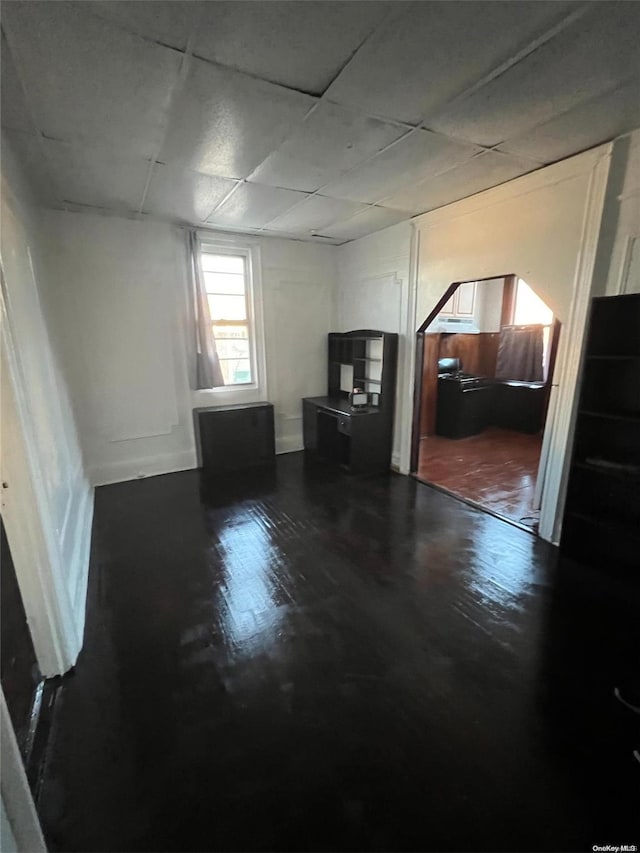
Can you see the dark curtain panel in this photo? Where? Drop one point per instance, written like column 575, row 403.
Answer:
column 520, row 353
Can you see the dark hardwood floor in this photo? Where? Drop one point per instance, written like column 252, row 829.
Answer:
column 311, row 661
column 497, row 469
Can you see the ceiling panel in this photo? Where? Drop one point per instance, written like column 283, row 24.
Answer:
column 589, row 124
column 225, row 123
column 372, row 219
column 314, row 214
column 28, row 148
column 95, row 176
column 253, row 206
column 433, row 51
column 300, row 45
column 597, row 52
column 89, row 81
column 187, row 196
column 484, row 171
column 164, row 21
column 14, row 109
column 417, row 156
column 330, row 141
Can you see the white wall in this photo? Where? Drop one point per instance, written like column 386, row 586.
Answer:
column 531, row 226
column 120, row 307
column 51, row 500
column 542, row 226
column 372, row 292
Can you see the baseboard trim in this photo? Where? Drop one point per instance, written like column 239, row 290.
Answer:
column 81, row 557
column 148, row 466
column 38, row 742
column 289, row 444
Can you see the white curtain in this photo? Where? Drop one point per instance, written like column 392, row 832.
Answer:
column 208, row 373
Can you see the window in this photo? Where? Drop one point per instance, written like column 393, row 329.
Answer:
column 228, row 280
column 530, row 309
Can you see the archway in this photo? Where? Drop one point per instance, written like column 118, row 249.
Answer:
column 484, row 366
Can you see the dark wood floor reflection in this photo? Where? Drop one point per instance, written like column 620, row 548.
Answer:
column 309, row 661
column 496, row 469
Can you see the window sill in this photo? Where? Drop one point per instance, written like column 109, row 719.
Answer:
column 227, row 395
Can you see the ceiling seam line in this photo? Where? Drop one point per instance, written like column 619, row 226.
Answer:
column 608, row 91
column 393, row 12
column 178, row 86
column 514, row 60
column 53, row 184
column 371, row 157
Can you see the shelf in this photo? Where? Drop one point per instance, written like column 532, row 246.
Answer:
column 367, row 359
column 613, row 473
column 372, row 381
column 632, row 417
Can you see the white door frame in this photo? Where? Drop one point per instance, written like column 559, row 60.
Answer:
column 559, row 429
column 18, row 809
column 32, row 541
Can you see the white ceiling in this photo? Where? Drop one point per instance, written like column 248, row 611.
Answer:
column 314, row 120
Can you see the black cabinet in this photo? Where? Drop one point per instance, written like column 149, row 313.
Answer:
column 518, row 405
column 233, row 438
column 359, row 439
column 601, row 522
column 462, row 411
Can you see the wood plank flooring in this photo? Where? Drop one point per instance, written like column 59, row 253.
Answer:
column 496, row 469
column 311, row 661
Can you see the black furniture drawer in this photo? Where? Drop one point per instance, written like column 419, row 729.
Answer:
column 233, row 438
column 344, row 425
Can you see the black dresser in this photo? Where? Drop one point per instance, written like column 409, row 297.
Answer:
column 234, row 438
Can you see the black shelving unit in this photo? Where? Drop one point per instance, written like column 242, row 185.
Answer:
column 358, row 439
column 601, row 523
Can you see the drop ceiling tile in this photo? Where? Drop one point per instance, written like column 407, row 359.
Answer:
column 480, row 173
column 305, row 238
column 96, row 177
column 433, row 51
column 15, row 115
column 589, row 124
column 315, row 214
column 167, row 22
column 28, row 150
column 372, row 219
column 225, row 123
column 419, row 155
column 330, row 141
column 300, row 45
column 182, row 195
column 87, row 81
column 253, row 206
column 593, row 55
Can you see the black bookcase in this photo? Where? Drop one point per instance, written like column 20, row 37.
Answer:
column 359, row 439
column 601, row 523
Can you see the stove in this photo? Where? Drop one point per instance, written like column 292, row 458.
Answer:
column 464, row 400
column 464, row 380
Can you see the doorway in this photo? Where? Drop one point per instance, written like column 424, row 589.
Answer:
column 485, row 361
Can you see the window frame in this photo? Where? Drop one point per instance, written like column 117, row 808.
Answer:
column 250, row 251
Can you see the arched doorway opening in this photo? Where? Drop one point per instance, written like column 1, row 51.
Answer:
column 484, row 365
